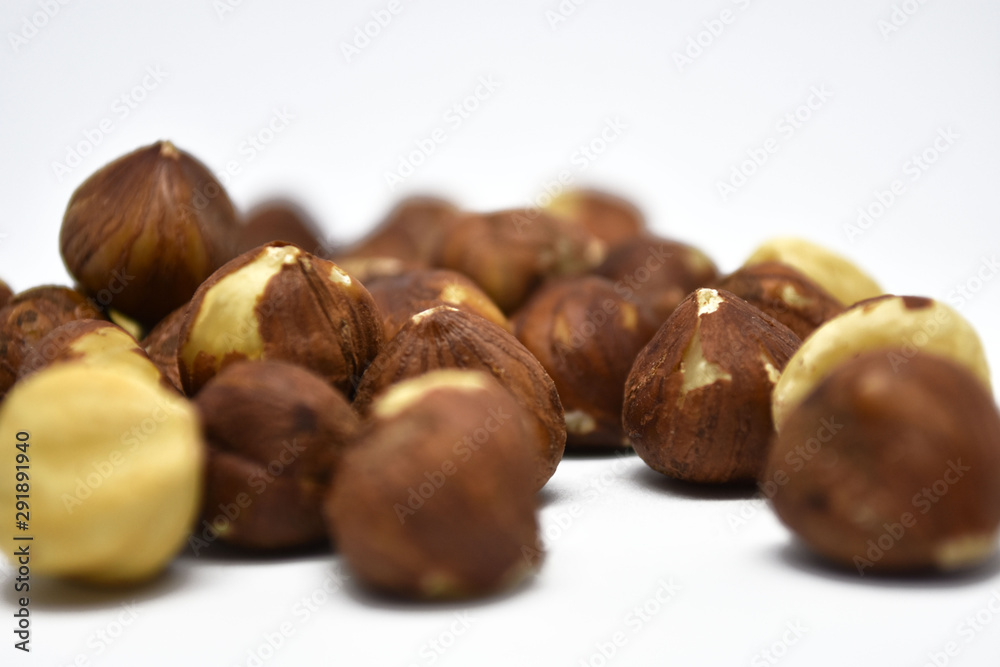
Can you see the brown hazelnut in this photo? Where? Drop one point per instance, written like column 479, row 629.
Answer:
column 275, row 433
column 445, row 337
column 280, row 220
column 611, row 219
column 890, row 470
column 161, row 345
column 413, row 231
column 6, row 293
column 656, row 272
column 510, row 253
column 586, row 336
column 698, row 399
column 29, row 316
column 784, row 293
column 403, row 296
column 437, row 500
column 278, row 302
column 369, row 269
column 144, row 231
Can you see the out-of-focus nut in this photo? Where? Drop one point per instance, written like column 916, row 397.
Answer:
column 280, row 220
column 6, row 293
column 586, row 336
column 697, row 401
column 445, row 337
column 510, row 253
column 161, row 345
column 401, row 297
column 437, row 499
column 657, row 273
column 608, row 217
column 116, row 465
column 899, row 325
column 369, row 269
column 784, row 293
column 144, row 231
column 888, row 471
column 836, row 274
column 275, row 433
column 413, row 231
column 278, row 302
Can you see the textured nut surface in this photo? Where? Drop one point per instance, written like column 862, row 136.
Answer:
column 275, row 433
column 437, row 499
column 836, row 274
column 278, row 302
column 608, row 217
column 401, row 297
column 161, row 345
column 413, row 231
column 899, row 325
column 510, row 253
column 697, row 401
column 883, row 471
column 116, row 471
column 445, row 337
column 586, row 336
column 144, row 231
column 784, row 293
column 656, row 272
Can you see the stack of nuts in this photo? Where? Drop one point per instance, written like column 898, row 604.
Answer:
column 405, row 398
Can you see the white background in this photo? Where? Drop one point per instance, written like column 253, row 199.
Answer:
column 615, row 531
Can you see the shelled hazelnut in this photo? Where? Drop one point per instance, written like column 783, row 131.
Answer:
column 279, row 303
column 437, row 498
column 413, row 231
column 656, row 272
column 445, row 337
column 889, row 470
column 6, row 293
column 586, row 336
column 401, row 297
column 698, row 398
column 900, row 326
column 280, row 220
column 784, row 293
column 161, row 345
column 610, row 218
column 275, row 433
column 510, row 253
column 144, row 231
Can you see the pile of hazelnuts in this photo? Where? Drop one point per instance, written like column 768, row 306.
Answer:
column 216, row 378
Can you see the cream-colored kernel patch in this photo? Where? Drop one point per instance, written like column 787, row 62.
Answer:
column 709, row 301
column 401, row 396
column 338, row 275
column 424, row 314
column 454, row 294
column 773, row 374
column 698, row 371
column 792, row 297
column 965, row 551
column 628, row 316
column 579, row 422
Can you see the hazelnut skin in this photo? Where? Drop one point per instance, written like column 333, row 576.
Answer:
column 586, row 336
column 280, row 220
column 279, row 303
column 445, row 337
column 608, row 217
column 6, row 293
column 413, row 232
column 144, row 231
column 275, row 433
column 161, row 345
column 697, row 400
column 437, row 500
column 890, row 470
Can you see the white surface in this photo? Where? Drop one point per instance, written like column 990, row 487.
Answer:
column 610, row 545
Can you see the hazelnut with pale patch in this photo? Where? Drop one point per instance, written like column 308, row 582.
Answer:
column 697, row 400
column 608, row 217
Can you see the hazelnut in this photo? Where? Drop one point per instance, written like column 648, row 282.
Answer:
column 586, row 336
column 510, row 253
column 280, row 220
column 445, row 337
column 892, row 470
column 278, row 302
column 656, row 272
column 898, row 325
column 30, row 316
column 437, row 499
column 785, row 294
column 275, row 433
column 400, row 297
column 697, row 401
column 6, row 293
column 115, row 471
column 144, row 231
column 161, row 345
column 369, row 269
column 611, row 219
column 834, row 273
column 413, row 231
